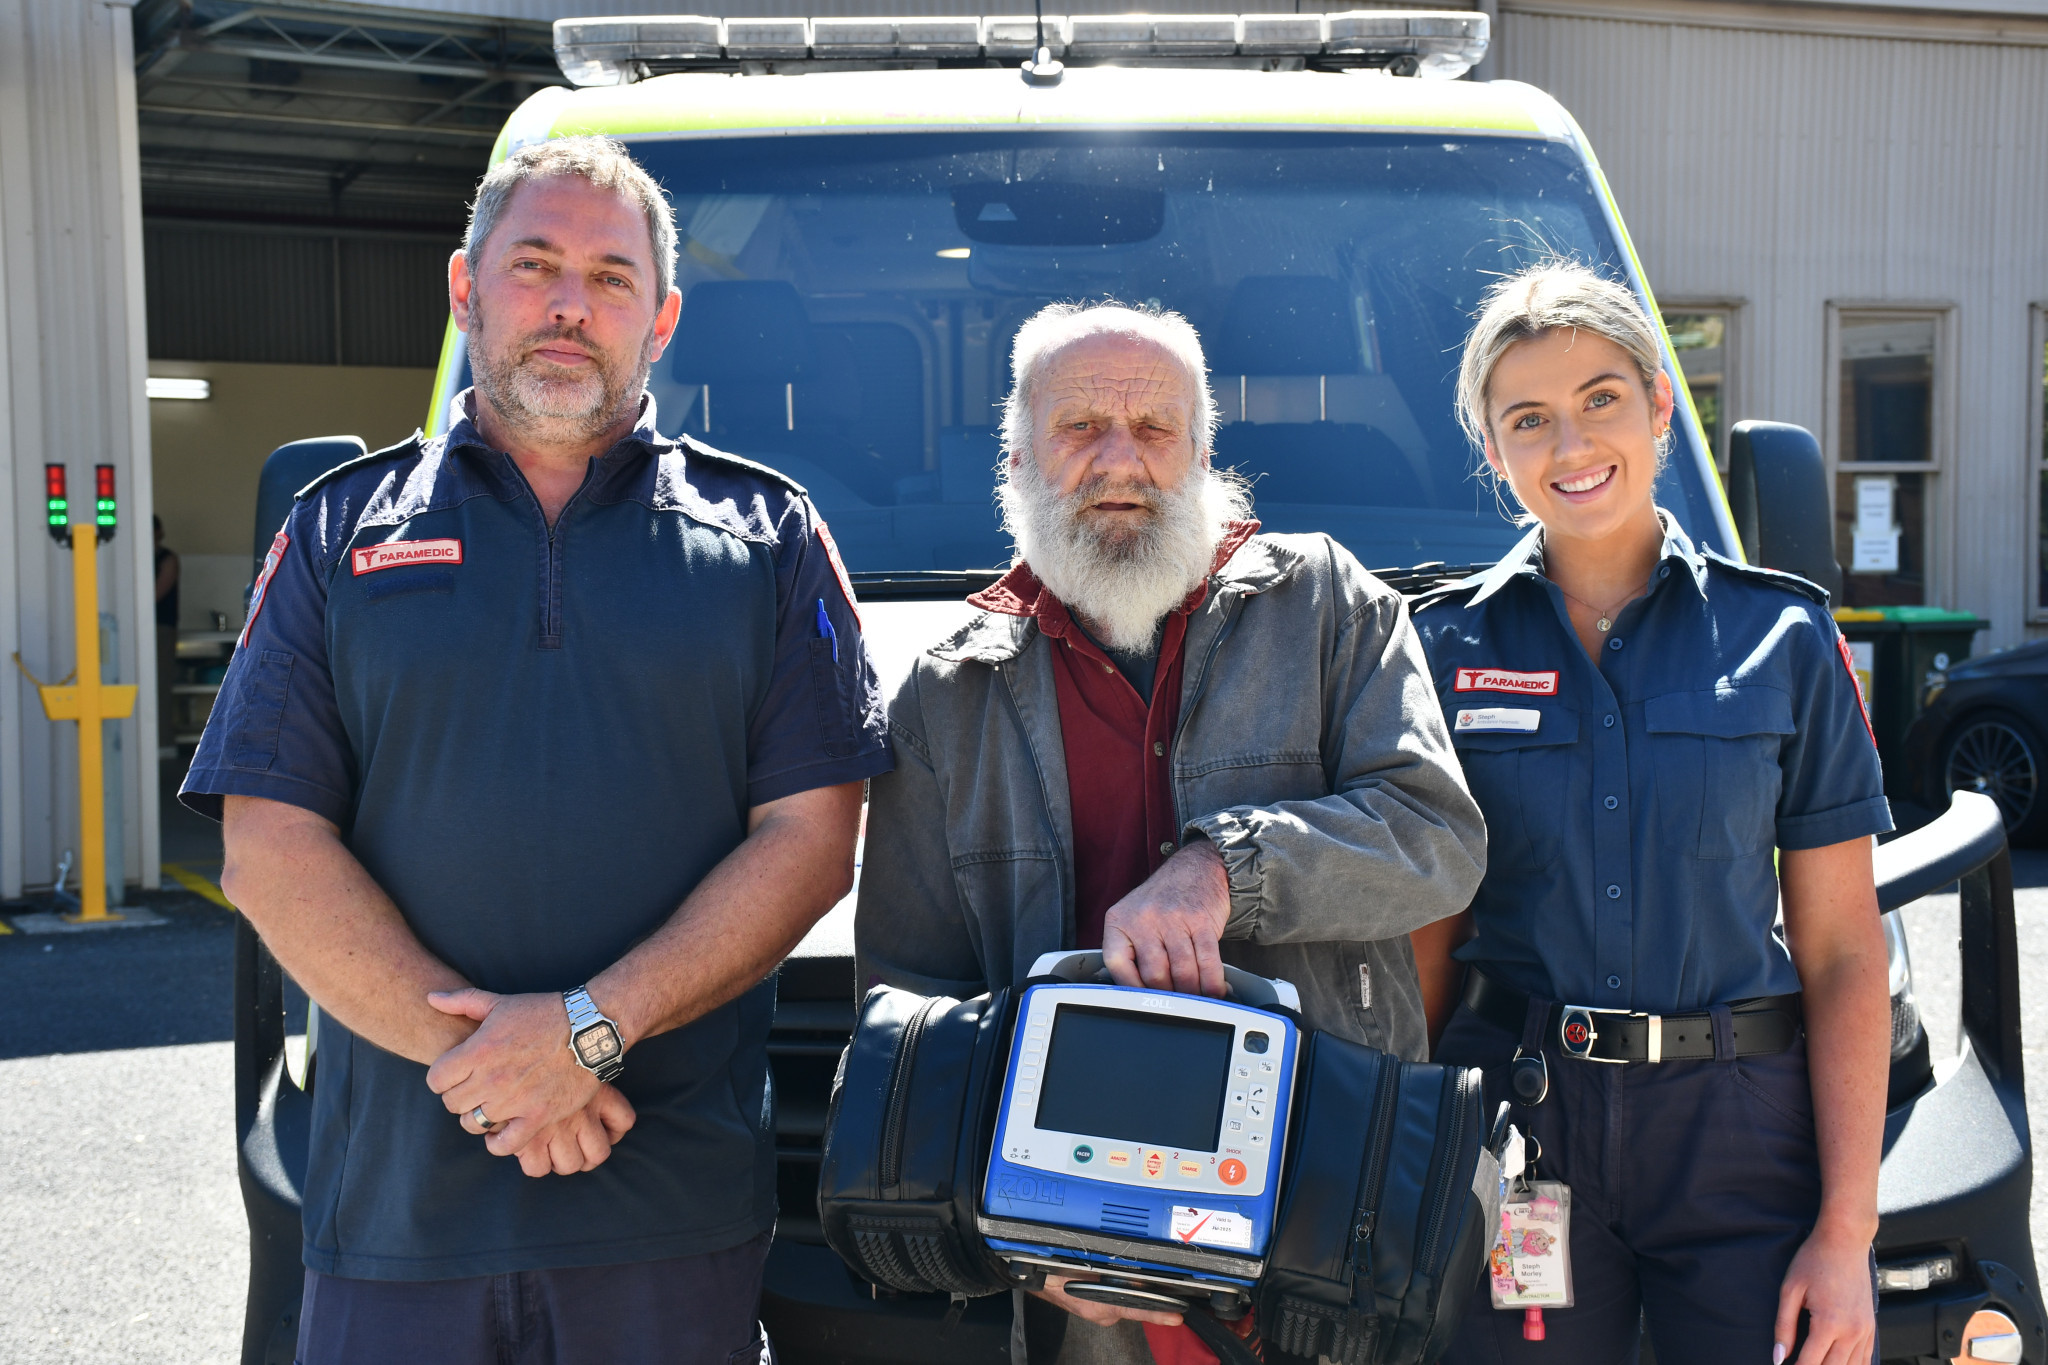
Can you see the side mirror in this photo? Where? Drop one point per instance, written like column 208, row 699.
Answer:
column 1778, row 493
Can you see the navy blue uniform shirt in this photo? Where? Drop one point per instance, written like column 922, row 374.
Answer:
column 539, row 742
column 1633, row 804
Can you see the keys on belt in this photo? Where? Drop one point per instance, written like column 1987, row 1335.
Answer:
column 1591, row 1033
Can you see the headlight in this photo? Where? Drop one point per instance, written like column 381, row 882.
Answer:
column 1899, row 979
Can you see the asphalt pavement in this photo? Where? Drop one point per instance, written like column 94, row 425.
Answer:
column 119, row 1211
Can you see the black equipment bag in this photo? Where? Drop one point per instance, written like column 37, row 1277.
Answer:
column 906, row 1141
column 1389, row 1204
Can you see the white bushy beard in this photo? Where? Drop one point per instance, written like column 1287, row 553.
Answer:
column 1121, row 581
column 536, row 403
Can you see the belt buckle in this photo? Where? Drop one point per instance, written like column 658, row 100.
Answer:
column 1576, row 1034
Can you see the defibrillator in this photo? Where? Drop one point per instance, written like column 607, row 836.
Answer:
column 1142, row 1132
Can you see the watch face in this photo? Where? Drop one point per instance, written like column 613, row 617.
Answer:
column 597, row 1045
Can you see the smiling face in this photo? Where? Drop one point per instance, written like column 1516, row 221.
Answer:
column 1574, row 431
column 1112, row 427
column 561, row 310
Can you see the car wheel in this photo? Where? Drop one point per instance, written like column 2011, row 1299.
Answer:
column 2003, row 757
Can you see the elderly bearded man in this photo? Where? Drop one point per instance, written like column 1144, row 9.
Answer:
column 546, row 728
column 1165, row 735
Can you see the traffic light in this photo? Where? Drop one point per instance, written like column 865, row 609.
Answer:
column 103, row 508
column 57, row 504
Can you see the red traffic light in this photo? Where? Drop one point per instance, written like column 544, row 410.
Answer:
column 53, row 481
column 103, row 508
column 103, row 477
column 56, row 503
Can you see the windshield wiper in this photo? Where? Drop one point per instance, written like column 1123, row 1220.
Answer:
column 928, row 583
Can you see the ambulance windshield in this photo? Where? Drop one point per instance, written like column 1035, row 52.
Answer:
column 849, row 304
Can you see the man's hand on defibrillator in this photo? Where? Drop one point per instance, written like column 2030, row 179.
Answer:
column 1165, row 933
column 1101, row 1314
column 518, row 1069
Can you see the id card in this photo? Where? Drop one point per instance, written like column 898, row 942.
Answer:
column 1530, row 1265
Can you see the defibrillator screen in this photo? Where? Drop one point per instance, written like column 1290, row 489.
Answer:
column 1136, row 1078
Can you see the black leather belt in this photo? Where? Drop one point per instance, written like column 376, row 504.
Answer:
column 1769, row 1023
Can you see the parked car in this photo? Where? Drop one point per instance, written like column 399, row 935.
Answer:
column 863, row 234
column 1985, row 729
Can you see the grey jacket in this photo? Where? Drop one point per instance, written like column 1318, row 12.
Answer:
column 1310, row 749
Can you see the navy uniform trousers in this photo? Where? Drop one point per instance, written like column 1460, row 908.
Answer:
column 686, row 1310
column 1693, row 1185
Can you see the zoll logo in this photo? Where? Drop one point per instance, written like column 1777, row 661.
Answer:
column 1541, row 684
column 396, row 553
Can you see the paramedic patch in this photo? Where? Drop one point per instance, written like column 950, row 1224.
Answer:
column 398, row 553
column 1484, row 720
column 1534, row 684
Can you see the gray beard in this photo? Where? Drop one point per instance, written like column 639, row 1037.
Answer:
column 1124, row 583
column 553, row 410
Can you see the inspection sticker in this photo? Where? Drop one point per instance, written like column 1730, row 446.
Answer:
column 1212, row 1228
column 1496, row 719
column 395, row 553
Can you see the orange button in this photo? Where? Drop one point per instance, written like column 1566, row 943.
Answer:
column 1119, row 1158
column 1190, row 1168
column 1231, row 1172
column 1155, row 1164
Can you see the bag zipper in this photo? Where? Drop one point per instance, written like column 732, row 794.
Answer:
column 899, row 1096
column 1447, row 1182
column 1373, row 1185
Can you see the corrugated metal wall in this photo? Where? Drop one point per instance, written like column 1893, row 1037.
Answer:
column 1792, row 170
column 293, row 297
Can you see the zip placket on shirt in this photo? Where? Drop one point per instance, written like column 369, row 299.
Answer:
column 551, row 554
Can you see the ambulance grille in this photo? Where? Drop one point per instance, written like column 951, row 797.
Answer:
column 1126, row 1220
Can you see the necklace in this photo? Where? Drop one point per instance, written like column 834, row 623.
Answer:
column 1605, row 622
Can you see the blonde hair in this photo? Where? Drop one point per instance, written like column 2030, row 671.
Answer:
column 1057, row 324
column 1544, row 298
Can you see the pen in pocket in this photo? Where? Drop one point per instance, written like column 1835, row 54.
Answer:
column 825, row 631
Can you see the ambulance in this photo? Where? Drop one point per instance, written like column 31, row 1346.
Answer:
column 867, row 210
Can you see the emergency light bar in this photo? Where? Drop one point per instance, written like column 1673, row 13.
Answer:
column 619, row 50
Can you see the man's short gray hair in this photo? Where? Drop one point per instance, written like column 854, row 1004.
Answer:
column 1057, row 324
column 1550, row 296
column 602, row 161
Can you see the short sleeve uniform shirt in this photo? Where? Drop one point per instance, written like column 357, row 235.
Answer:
column 1634, row 803
column 539, row 741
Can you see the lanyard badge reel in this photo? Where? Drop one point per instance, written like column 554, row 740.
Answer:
column 1530, row 1265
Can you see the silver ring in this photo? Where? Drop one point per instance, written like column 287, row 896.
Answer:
column 481, row 1122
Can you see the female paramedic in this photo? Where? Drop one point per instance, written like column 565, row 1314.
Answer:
column 1664, row 742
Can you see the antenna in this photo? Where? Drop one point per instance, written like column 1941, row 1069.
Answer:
column 1041, row 69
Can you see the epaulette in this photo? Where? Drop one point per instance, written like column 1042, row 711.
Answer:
column 1776, row 578
column 695, row 449
column 410, row 446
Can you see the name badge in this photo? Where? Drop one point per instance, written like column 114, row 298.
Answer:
column 1481, row 720
column 398, row 553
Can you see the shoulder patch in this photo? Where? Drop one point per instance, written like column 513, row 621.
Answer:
column 839, row 570
column 1777, row 578
column 405, row 449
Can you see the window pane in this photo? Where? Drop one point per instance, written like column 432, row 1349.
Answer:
column 1881, row 538
column 1887, row 389
column 1701, row 342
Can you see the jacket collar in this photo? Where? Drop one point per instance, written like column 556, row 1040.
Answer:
column 1017, row 606
column 1526, row 559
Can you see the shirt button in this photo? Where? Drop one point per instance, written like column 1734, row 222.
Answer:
column 1612, row 803
column 1607, row 721
column 1613, row 983
column 1107, row 669
column 1664, row 572
column 1613, row 892
column 1166, row 849
column 1158, row 749
column 1614, row 643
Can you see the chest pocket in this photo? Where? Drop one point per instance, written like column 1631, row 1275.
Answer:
column 1526, row 784
column 1714, row 758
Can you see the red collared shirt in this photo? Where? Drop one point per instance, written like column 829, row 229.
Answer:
column 1119, row 749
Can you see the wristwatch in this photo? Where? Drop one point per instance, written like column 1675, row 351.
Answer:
column 594, row 1040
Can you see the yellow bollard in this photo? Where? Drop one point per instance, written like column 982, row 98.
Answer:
column 89, row 701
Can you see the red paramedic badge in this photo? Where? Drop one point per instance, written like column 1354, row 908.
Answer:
column 839, row 571
column 1541, row 683
column 1862, row 702
column 398, row 553
column 270, row 562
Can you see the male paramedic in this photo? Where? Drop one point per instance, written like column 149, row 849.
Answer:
column 543, row 745
column 1167, row 736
